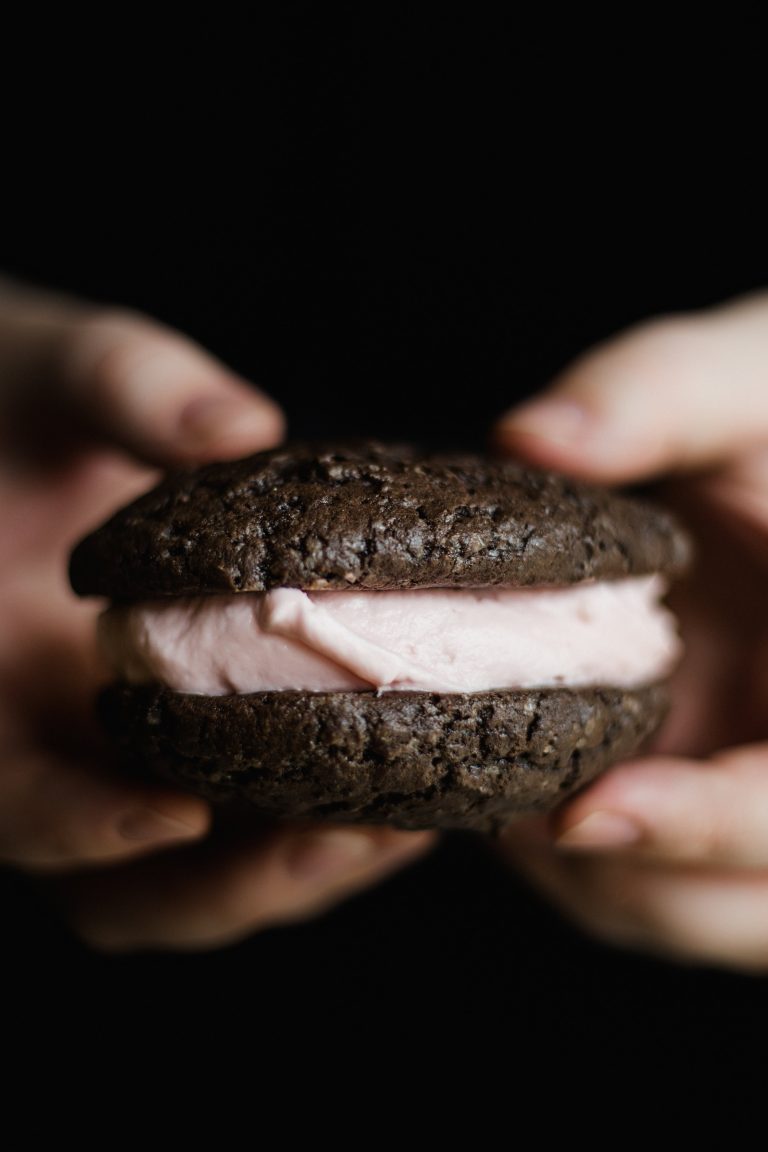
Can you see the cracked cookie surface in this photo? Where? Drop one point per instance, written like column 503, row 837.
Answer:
column 414, row 759
column 371, row 516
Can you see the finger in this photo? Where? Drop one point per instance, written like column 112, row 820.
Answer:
column 56, row 815
column 592, row 898
column 160, row 395
column 209, row 896
column 678, row 912
column 675, row 393
column 712, row 813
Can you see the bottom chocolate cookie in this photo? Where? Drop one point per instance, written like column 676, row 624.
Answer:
column 413, row 759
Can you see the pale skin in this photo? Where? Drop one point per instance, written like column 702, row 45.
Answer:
column 92, row 402
column 667, row 854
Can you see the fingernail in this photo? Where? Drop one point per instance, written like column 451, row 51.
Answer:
column 561, row 421
column 149, row 824
column 209, row 417
column 317, row 856
column 601, row 830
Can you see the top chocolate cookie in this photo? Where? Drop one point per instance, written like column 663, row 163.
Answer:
column 369, row 516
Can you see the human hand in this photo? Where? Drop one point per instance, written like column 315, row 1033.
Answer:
column 670, row 852
column 85, row 394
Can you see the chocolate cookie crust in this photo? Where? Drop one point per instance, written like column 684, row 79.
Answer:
column 374, row 517
column 414, row 759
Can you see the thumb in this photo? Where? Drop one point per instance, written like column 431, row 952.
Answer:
column 160, row 395
column 712, row 812
column 673, row 394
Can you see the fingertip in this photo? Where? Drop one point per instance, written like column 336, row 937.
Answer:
column 165, row 818
column 551, row 419
column 570, row 436
column 622, row 410
column 536, row 447
column 389, row 839
column 634, row 805
column 396, row 846
column 226, row 424
column 601, row 831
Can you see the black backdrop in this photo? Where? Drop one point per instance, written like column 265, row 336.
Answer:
column 395, row 233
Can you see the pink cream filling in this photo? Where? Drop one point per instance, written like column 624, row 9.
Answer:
column 424, row 639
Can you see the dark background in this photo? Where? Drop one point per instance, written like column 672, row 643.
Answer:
column 397, row 229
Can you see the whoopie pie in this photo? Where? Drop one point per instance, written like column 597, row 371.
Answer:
column 374, row 634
